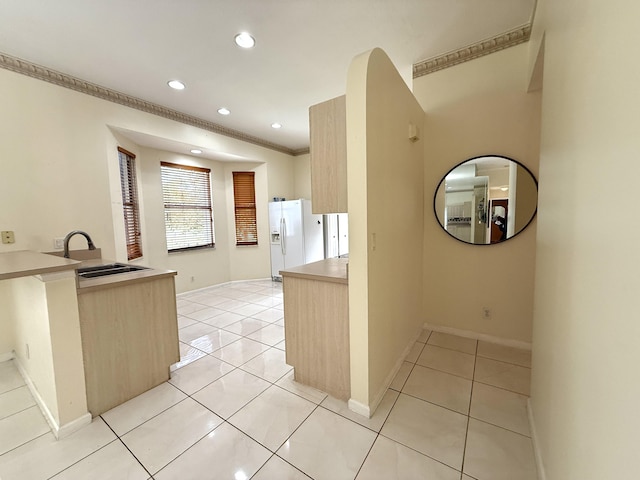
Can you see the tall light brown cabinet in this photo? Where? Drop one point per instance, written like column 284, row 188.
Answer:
column 328, row 148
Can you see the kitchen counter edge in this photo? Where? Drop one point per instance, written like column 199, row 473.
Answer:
column 333, row 270
column 26, row 263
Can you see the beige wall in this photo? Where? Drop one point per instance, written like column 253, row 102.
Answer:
column 7, row 333
column 479, row 108
column 386, row 215
column 66, row 346
column 302, row 172
column 60, row 173
column 31, row 323
column 585, row 386
column 46, row 340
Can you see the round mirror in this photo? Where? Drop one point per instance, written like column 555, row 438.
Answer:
column 486, row 200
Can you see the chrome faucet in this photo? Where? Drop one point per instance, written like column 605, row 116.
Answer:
column 71, row 234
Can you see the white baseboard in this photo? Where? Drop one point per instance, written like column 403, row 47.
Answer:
column 73, row 426
column 536, row 445
column 360, row 408
column 196, row 290
column 5, row 357
column 60, row 431
column 230, row 282
column 479, row 336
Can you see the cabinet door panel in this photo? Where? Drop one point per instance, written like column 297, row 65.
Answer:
column 328, row 148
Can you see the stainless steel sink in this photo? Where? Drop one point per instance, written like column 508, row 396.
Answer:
column 108, row 269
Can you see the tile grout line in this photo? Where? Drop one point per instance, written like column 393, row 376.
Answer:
column 476, row 351
column 466, row 436
column 316, row 406
column 435, row 404
column 18, row 412
column 472, row 379
column 500, row 427
column 226, row 420
column 118, row 438
column 400, row 392
column 421, row 453
column 502, row 388
column 148, row 419
column 364, row 460
column 24, row 443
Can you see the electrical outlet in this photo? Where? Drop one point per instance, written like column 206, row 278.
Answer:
column 8, row 236
column 486, row 313
column 58, row 243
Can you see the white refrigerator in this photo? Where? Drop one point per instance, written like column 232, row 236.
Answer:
column 296, row 235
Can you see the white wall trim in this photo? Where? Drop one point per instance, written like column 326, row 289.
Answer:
column 189, row 292
column 5, row 357
column 536, row 443
column 493, row 44
column 73, row 426
column 61, row 79
column 251, row 280
column 60, row 431
column 224, row 284
column 53, row 423
column 359, row 408
column 507, row 342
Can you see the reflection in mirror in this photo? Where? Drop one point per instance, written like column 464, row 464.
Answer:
column 486, row 200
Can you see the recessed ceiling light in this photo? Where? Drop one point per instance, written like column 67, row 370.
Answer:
column 244, row 40
column 196, row 151
column 276, row 125
column 224, row 111
column 504, row 189
column 176, row 84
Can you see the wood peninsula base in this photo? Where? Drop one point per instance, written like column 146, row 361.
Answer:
column 316, row 323
column 129, row 338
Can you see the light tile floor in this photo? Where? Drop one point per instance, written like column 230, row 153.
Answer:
column 456, row 410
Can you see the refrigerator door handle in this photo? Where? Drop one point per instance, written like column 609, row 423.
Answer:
column 283, row 235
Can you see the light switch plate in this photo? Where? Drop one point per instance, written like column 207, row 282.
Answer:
column 7, row 236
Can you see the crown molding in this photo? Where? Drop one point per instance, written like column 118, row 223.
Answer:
column 39, row 72
column 300, row 151
column 485, row 47
column 476, row 50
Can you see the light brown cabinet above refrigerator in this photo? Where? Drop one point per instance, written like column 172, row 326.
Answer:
column 328, row 147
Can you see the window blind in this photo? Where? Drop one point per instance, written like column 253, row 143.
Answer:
column 188, row 211
column 130, row 203
column 244, row 195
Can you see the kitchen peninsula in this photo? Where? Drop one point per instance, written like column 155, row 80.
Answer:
column 42, row 333
column 129, row 327
column 85, row 345
column 316, row 312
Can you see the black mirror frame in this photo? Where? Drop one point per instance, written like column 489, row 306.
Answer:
column 435, row 194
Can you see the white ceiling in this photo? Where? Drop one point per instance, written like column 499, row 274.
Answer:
column 303, row 50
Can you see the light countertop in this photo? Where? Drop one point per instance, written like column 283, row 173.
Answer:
column 333, row 270
column 25, row 263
